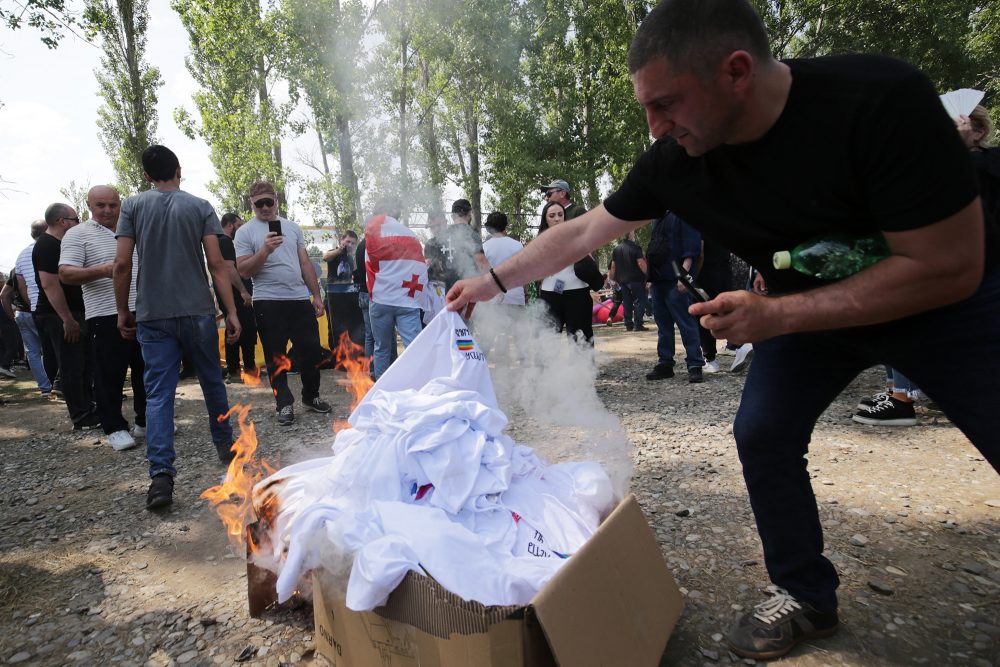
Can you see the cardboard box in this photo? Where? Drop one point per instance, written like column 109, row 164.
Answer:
column 613, row 603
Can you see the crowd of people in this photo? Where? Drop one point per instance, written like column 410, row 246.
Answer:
column 128, row 288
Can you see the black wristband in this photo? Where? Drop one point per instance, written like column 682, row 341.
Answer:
column 497, row 281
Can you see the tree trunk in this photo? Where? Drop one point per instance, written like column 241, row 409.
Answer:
column 348, row 177
column 472, row 148
column 404, row 137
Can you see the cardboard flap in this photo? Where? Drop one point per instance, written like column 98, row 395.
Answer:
column 614, row 602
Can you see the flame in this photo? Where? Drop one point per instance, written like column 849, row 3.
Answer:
column 282, row 364
column 232, row 499
column 351, row 357
column 251, row 379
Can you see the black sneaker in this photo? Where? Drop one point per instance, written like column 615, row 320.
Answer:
column 890, row 412
column 695, row 376
column 641, row 328
column 317, row 405
column 286, row 415
column 628, row 327
column 873, row 401
column 660, row 372
column 161, row 492
column 88, row 423
column 776, row 625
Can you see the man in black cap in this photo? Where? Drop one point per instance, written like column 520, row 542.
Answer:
column 558, row 191
column 456, row 251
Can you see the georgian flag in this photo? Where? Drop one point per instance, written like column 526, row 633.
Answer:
column 394, row 264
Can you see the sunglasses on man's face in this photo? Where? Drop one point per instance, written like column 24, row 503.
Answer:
column 261, row 203
column 549, row 193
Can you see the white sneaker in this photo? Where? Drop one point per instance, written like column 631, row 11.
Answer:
column 711, row 366
column 742, row 358
column 6, row 372
column 121, row 440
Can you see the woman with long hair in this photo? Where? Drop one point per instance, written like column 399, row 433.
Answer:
column 567, row 297
column 975, row 130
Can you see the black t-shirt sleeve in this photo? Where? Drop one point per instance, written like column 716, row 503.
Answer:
column 640, row 196
column 45, row 257
column 226, row 248
column 912, row 164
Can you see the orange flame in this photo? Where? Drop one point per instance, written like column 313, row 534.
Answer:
column 282, row 364
column 232, row 499
column 251, row 379
column 351, row 357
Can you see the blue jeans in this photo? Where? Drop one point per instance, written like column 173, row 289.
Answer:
column 804, row 373
column 900, row 383
column 670, row 307
column 385, row 321
column 33, row 348
column 364, row 302
column 634, row 300
column 163, row 342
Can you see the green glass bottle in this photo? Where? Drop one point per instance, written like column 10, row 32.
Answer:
column 833, row 257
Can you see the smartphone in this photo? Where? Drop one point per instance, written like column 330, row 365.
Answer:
column 274, row 226
column 694, row 289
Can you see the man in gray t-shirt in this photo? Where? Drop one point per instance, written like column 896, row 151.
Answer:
column 175, row 312
column 272, row 251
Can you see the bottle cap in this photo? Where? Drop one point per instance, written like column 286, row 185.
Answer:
column 782, row 259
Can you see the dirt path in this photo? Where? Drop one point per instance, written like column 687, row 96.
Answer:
column 87, row 576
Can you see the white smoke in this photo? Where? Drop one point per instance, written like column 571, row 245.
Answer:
column 546, row 384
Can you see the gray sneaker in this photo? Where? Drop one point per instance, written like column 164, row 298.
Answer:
column 286, row 415
column 776, row 625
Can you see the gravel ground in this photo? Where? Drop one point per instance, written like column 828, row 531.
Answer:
column 912, row 517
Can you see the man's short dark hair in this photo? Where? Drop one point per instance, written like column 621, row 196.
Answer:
column 160, row 163
column 461, row 207
column 56, row 212
column 695, row 35
column 262, row 188
column 497, row 221
column 350, row 232
column 229, row 219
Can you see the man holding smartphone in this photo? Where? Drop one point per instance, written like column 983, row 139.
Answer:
column 271, row 250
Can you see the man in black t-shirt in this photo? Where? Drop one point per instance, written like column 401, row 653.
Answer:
column 628, row 269
column 243, row 299
column 60, row 317
column 761, row 155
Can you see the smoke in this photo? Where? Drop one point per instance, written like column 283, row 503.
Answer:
column 546, row 384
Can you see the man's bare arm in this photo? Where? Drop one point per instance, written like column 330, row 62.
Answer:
column 22, row 289
column 929, row 267
column 122, row 272
column 79, row 275
column 7, row 300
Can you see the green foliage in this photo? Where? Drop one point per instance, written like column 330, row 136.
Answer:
column 233, row 50
column 52, row 18
column 127, row 119
column 76, row 196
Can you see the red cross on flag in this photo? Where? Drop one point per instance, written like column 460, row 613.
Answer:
column 394, row 263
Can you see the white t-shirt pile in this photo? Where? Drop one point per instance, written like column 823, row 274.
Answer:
column 425, row 480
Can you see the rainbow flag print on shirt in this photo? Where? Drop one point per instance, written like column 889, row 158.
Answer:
column 465, row 344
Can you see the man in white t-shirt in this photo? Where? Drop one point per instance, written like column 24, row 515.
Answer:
column 87, row 258
column 41, row 356
column 283, row 280
column 499, row 248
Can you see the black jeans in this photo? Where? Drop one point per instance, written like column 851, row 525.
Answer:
column 277, row 323
column 572, row 309
column 113, row 357
column 247, row 342
column 74, row 364
column 714, row 280
column 803, row 373
column 11, row 347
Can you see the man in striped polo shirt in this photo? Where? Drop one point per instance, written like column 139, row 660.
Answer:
column 87, row 258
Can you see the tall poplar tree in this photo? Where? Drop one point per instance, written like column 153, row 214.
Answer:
column 127, row 118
